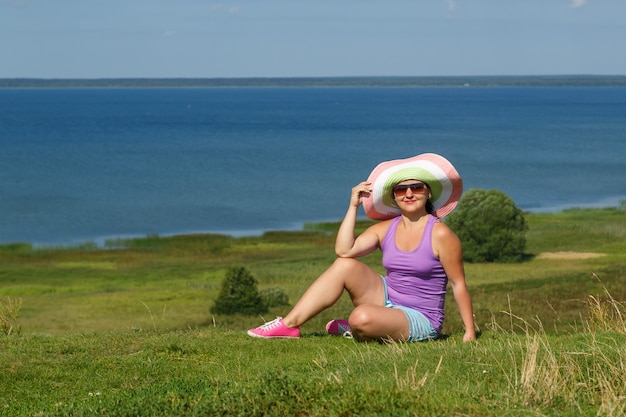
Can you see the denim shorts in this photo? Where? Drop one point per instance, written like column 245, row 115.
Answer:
column 420, row 327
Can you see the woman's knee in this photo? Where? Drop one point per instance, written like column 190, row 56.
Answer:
column 373, row 322
column 348, row 269
column 347, row 264
column 361, row 319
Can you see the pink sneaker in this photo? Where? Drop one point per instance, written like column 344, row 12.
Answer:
column 339, row 328
column 274, row 329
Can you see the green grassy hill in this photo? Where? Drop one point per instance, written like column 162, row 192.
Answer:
column 127, row 330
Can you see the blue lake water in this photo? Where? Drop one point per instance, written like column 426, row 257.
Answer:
column 88, row 164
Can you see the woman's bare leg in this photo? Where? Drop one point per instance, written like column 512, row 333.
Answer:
column 373, row 322
column 362, row 283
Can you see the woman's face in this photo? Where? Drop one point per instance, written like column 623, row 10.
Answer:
column 411, row 193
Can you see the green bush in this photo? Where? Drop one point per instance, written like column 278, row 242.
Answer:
column 275, row 297
column 491, row 227
column 239, row 294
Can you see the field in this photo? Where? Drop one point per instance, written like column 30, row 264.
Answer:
column 126, row 330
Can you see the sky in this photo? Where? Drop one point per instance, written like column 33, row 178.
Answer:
column 321, row 38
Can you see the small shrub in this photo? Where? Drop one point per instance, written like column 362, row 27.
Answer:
column 491, row 227
column 239, row 294
column 275, row 297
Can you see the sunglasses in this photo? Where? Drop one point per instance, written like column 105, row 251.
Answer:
column 416, row 188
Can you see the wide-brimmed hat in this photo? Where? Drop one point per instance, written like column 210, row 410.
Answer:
column 442, row 178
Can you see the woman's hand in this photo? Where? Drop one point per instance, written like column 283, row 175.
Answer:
column 358, row 192
column 469, row 336
column 346, row 245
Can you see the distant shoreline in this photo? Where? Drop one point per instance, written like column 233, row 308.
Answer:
column 101, row 241
column 421, row 81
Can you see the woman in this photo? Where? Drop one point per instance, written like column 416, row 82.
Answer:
column 420, row 253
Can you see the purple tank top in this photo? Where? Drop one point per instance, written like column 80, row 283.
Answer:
column 415, row 279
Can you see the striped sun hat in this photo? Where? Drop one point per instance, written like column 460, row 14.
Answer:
column 443, row 179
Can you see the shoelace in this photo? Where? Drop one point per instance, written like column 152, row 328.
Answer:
column 271, row 324
column 342, row 328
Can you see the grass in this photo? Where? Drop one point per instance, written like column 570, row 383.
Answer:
column 126, row 330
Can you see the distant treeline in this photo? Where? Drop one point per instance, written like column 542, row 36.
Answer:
column 451, row 81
